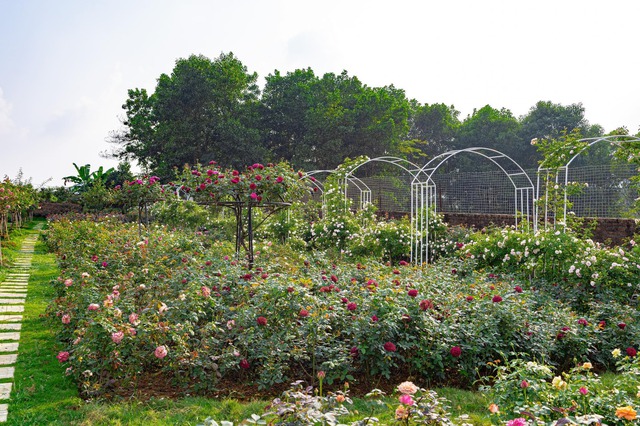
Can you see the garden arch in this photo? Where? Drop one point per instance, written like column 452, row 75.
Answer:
column 423, row 195
column 548, row 174
column 365, row 192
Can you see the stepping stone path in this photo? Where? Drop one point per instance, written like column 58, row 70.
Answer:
column 13, row 292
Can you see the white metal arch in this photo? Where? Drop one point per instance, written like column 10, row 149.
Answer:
column 423, row 195
column 542, row 169
column 365, row 193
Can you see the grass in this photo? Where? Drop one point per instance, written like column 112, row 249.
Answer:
column 43, row 395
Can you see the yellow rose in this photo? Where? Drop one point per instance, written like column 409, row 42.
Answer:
column 558, row 383
column 587, row 365
column 401, row 412
column 626, row 413
column 615, row 353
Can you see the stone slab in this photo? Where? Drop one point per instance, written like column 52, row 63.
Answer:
column 5, row 390
column 11, row 308
column 12, row 294
column 11, row 317
column 10, row 326
column 7, row 301
column 8, row 347
column 8, row 359
column 4, row 412
column 7, row 372
column 9, row 335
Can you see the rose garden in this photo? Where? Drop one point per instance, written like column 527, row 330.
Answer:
column 263, row 283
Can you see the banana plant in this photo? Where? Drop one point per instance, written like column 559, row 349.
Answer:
column 84, row 179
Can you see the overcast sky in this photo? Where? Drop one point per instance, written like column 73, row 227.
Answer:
column 66, row 66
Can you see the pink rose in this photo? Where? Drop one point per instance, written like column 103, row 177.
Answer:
column 161, row 352
column 117, row 337
column 63, row 356
column 93, row 307
column 66, row 319
column 205, row 291
column 133, row 319
column 406, row 399
column 68, row 282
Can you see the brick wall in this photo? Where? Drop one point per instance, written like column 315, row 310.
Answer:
column 608, row 230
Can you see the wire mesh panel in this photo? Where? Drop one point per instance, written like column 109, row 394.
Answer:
column 606, row 190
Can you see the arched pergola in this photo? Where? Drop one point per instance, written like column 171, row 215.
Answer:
column 423, row 195
column 547, row 175
column 410, row 168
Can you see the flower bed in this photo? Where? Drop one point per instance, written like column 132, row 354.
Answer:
column 176, row 306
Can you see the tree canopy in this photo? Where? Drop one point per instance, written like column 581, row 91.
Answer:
column 213, row 110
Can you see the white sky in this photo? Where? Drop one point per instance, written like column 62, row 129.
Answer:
column 66, row 65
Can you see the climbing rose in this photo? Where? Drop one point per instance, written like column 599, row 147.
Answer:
column 456, row 351
column 160, row 352
column 389, row 347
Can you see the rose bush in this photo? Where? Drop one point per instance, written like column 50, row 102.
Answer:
column 177, row 305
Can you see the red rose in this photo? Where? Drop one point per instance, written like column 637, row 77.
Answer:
column 413, row 292
column 456, row 351
column 496, row 299
column 622, row 325
column 244, row 364
column 518, row 289
column 262, row 321
column 304, row 313
column 426, row 304
column 389, row 347
column 631, row 351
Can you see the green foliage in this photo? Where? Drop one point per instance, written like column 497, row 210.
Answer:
column 575, row 270
column 204, row 109
column 526, row 389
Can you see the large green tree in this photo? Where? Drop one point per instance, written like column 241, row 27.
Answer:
column 206, row 109
column 435, row 126
column 546, row 120
column 316, row 122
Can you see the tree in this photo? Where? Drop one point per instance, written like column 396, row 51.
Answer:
column 204, row 109
column 547, row 120
column 491, row 128
column 435, row 125
column 306, row 118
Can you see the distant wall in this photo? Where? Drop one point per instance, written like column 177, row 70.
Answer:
column 608, row 230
